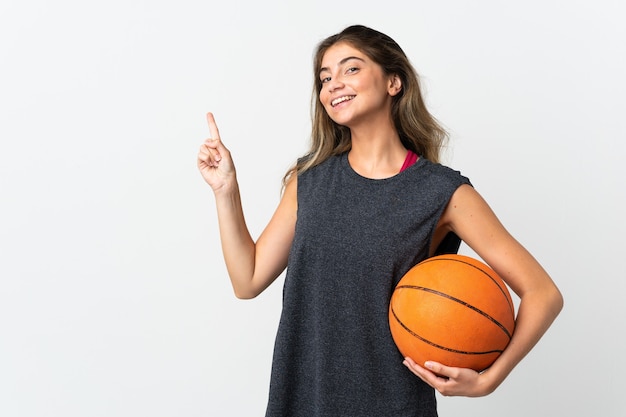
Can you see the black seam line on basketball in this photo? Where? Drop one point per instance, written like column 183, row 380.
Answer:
column 428, row 342
column 456, row 300
column 475, row 267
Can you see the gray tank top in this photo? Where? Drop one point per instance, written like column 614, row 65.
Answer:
column 355, row 238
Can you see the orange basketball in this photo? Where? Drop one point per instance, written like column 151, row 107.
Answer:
column 452, row 309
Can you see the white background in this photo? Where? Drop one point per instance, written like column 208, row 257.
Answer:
column 114, row 299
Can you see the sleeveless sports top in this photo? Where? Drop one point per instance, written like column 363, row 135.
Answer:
column 355, row 238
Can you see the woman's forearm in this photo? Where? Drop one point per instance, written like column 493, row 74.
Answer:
column 238, row 247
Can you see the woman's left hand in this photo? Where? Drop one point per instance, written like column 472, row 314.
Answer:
column 450, row 381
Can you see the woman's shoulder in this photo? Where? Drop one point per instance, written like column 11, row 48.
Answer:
column 435, row 171
column 326, row 164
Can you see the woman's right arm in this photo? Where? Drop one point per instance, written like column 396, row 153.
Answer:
column 252, row 266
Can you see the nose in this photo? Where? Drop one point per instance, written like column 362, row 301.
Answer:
column 334, row 84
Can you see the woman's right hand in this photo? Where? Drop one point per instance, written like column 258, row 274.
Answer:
column 214, row 161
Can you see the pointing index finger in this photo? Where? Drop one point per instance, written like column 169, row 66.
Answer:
column 215, row 133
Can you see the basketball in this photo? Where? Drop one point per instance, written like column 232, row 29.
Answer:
column 452, row 309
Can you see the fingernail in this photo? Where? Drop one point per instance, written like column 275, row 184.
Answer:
column 429, row 365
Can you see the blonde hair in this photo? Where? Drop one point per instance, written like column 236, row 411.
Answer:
column 419, row 131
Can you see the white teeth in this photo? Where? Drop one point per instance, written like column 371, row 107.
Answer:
column 340, row 100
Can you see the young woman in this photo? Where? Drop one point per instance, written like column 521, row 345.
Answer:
column 366, row 203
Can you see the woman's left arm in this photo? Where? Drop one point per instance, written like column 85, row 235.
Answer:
column 471, row 218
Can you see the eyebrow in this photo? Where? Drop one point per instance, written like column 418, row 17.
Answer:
column 343, row 61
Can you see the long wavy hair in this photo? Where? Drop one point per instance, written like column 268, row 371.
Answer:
column 419, row 131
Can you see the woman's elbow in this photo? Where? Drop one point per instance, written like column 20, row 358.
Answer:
column 557, row 301
column 245, row 294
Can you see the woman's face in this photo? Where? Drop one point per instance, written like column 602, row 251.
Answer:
column 354, row 88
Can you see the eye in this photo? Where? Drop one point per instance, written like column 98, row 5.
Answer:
column 324, row 80
column 352, row 70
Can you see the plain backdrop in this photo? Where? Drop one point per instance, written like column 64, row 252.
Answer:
column 114, row 299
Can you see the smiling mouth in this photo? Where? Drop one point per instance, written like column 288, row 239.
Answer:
column 341, row 100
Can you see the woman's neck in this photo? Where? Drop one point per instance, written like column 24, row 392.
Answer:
column 377, row 155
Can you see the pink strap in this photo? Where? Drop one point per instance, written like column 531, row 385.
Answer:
column 411, row 158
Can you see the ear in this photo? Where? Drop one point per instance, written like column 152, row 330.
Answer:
column 395, row 85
